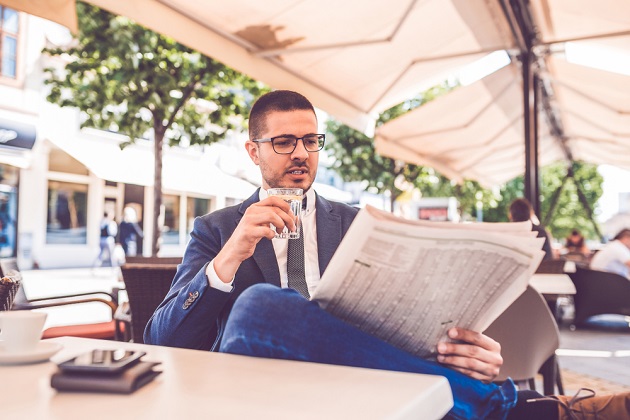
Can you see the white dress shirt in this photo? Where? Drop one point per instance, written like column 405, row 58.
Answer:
column 311, row 263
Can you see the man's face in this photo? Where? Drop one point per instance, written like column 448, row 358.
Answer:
column 295, row 170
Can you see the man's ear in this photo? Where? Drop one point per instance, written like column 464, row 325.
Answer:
column 252, row 151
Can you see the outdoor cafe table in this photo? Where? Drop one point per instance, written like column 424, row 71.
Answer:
column 552, row 285
column 196, row 384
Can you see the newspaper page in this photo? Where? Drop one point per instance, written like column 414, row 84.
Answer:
column 407, row 282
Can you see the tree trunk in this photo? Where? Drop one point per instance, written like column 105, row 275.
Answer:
column 157, row 191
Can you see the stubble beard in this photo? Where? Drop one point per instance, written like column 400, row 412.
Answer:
column 276, row 179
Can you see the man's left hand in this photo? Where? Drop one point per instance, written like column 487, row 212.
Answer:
column 475, row 354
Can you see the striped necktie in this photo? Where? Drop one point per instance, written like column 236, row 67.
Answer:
column 295, row 262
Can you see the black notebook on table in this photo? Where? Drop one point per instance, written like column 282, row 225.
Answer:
column 124, row 382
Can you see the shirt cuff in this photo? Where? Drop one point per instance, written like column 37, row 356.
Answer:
column 215, row 282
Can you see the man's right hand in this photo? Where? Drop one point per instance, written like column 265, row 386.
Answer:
column 254, row 226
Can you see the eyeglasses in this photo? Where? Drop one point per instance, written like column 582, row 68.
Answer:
column 285, row 145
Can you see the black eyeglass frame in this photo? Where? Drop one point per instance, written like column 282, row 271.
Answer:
column 321, row 139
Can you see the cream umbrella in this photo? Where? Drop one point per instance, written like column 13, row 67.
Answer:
column 59, row 11
column 353, row 58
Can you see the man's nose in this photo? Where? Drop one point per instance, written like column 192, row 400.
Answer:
column 300, row 151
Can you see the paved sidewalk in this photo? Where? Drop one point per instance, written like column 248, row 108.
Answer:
column 595, row 358
column 588, row 358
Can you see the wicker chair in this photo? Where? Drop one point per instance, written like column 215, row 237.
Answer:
column 110, row 330
column 153, row 260
column 146, row 285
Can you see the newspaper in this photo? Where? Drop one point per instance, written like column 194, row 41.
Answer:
column 407, row 282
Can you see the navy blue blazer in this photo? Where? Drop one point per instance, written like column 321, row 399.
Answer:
column 193, row 314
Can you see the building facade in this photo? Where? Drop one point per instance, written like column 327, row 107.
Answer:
column 57, row 180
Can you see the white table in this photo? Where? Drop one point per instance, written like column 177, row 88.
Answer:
column 552, row 284
column 199, row 384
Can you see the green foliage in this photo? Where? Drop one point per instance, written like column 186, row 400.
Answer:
column 128, row 79
column 357, row 160
column 569, row 213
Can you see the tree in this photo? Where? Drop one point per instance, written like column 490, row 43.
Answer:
column 128, row 79
column 569, row 212
column 356, row 158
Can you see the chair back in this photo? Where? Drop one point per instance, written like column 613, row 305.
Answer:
column 9, row 267
column 555, row 266
column 528, row 335
column 153, row 260
column 599, row 292
column 146, row 286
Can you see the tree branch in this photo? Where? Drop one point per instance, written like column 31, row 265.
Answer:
column 186, row 95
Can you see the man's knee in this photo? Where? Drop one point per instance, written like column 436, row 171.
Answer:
column 263, row 296
column 265, row 304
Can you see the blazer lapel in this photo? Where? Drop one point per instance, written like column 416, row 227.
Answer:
column 329, row 233
column 264, row 255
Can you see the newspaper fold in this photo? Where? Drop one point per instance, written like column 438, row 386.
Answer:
column 407, row 282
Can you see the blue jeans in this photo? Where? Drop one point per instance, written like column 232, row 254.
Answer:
column 267, row 321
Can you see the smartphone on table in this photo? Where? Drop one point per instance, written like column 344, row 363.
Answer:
column 102, row 361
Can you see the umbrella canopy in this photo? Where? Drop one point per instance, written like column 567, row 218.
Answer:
column 584, row 112
column 353, row 58
column 594, row 106
column 482, row 141
column 60, row 11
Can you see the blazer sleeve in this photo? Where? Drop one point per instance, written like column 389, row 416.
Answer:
column 189, row 316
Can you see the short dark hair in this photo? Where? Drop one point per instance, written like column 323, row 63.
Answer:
column 278, row 100
column 520, row 210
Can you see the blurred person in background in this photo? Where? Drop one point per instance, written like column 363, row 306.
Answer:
column 129, row 232
column 575, row 248
column 107, row 241
column 614, row 257
column 521, row 211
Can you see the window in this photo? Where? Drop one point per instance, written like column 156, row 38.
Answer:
column 67, row 213
column 8, row 210
column 9, row 28
column 196, row 207
column 170, row 231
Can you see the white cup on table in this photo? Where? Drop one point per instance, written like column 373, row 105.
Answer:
column 20, row 331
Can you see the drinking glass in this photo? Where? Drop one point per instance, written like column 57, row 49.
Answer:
column 293, row 196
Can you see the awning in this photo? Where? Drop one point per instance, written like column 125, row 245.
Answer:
column 15, row 157
column 63, row 12
column 354, row 59
column 482, row 141
column 16, row 141
column 595, row 109
column 18, row 135
column 182, row 171
column 351, row 58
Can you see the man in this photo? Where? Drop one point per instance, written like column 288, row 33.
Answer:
column 233, row 250
column 615, row 255
column 521, row 211
column 107, row 241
